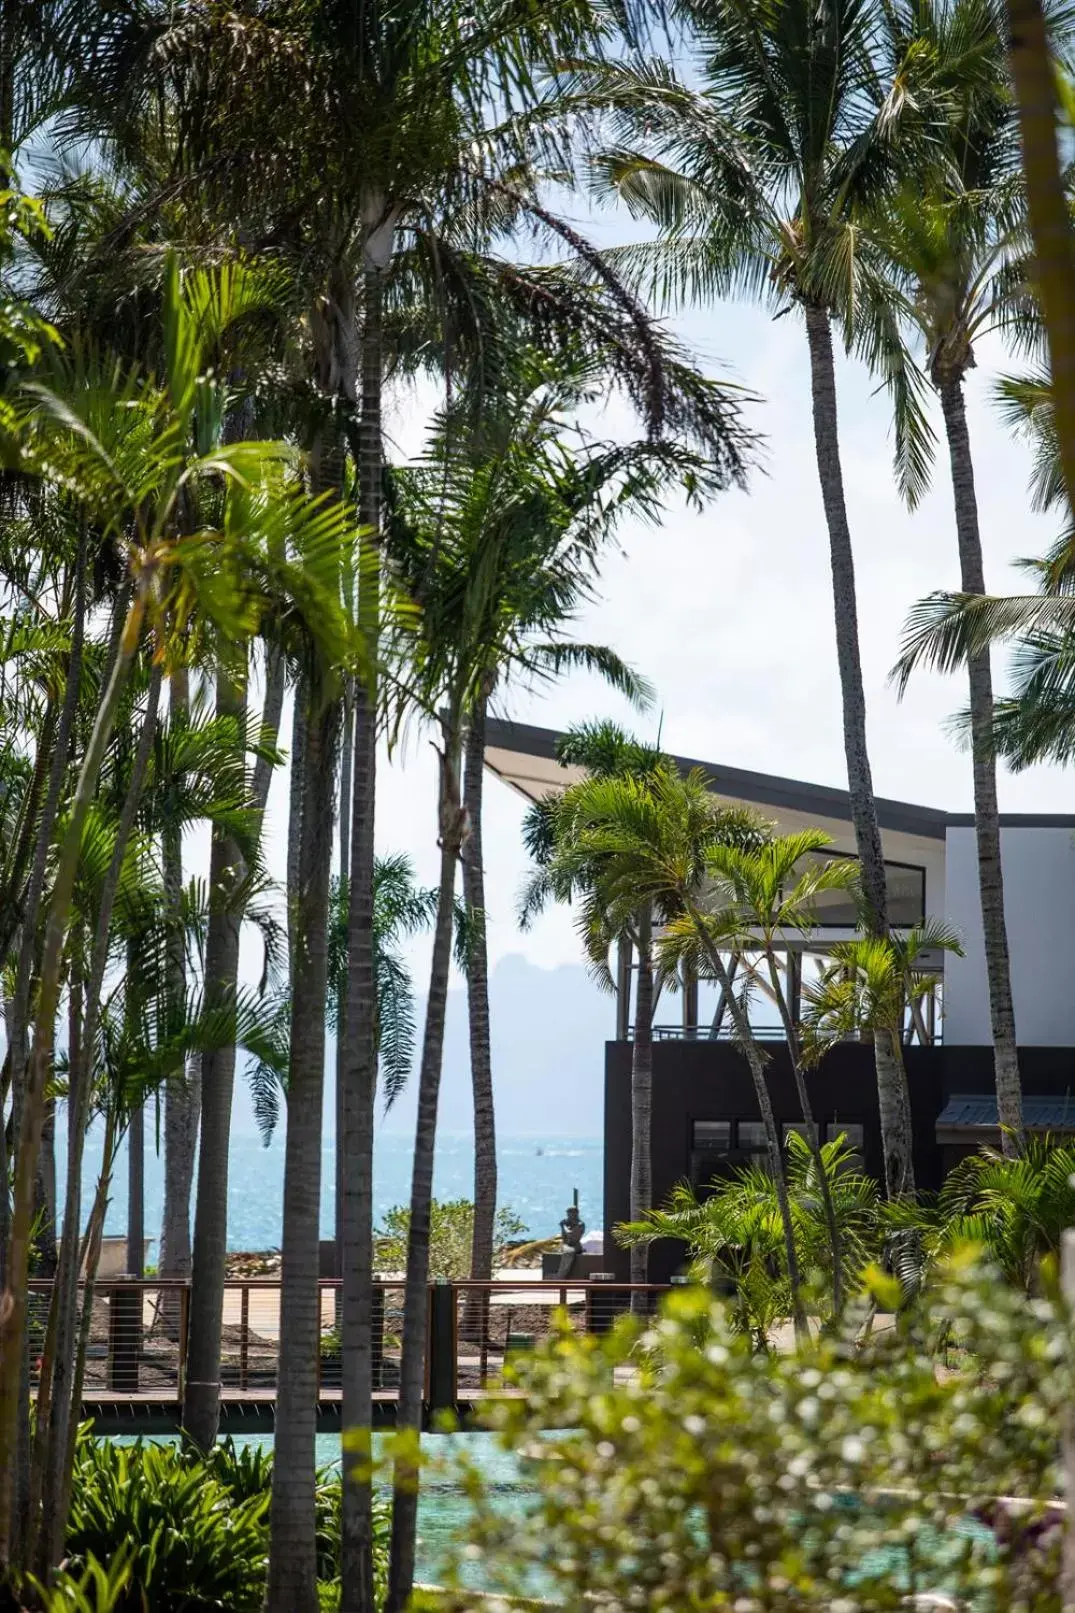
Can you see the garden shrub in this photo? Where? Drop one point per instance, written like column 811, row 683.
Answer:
column 197, row 1547
column 189, row 1532
column 842, row 1476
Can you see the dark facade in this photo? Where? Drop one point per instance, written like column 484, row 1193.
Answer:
column 698, row 1086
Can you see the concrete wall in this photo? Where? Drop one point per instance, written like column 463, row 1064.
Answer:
column 1039, row 902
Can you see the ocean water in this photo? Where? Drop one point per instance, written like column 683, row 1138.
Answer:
column 537, row 1176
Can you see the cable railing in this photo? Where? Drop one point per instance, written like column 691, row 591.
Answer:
column 140, row 1328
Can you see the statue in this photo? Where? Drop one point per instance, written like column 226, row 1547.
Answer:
column 572, row 1230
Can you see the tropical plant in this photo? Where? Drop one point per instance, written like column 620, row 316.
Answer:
column 1015, row 1209
column 956, row 257
column 636, row 849
column 734, row 1235
column 691, row 1470
column 870, row 986
column 194, row 534
column 759, row 900
column 195, row 1545
column 757, row 173
column 557, row 496
column 177, row 1530
column 564, row 872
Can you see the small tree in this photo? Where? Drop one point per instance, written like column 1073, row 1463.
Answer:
column 758, row 899
column 868, row 988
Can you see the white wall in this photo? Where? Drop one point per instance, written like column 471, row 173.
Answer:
column 1039, row 905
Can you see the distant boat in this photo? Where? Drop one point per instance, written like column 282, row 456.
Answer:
column 539, row 1152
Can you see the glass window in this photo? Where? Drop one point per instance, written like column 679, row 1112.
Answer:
column 906, row 895
column 752, row 1136
column 712, row 1134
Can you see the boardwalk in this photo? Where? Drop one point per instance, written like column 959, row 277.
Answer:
column 136, row 1361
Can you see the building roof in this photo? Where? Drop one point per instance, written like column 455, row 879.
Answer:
column 976, row 1110
column 521, row 755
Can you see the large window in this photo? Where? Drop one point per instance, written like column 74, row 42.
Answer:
column 906, row 895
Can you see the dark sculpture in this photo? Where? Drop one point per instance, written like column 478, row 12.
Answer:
column 572, row 1230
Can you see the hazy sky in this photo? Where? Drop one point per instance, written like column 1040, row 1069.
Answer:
column 729, row 612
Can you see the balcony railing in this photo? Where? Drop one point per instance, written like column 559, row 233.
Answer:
column 139, row 1334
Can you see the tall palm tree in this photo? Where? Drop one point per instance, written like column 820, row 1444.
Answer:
column 756, row 180
column 557, row 497
column 121, row 446
column 953, row 248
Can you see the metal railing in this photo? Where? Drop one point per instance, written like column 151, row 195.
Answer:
column 139, row 1333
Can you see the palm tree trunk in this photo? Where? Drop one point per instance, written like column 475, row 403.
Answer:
column 201, row 1403
column 18, row 1018
column 292, row 1584
column 642, row 1095
column 845, row 605
column 986, row 810
column 1034, row 73
column 357, row 1072
column 481, row 1061
column 13, row 1302
column 136, row 1146
column 182, row 1095
column 415, row 1302
column 58, row 1405
column 294, row 839
column 756, row 1064
column 813, row 1140
column 894, row 1102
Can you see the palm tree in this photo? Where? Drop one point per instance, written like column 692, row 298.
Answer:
column 1014, row 1208
column 953, row 249
column 1034, row 73
column 760, row 899
column 495, row 534
column 563, row 873
column 556, row 496
column 757, row 179
column 642, row 845
column 109, row 439
column 735, row 1234
column 869, row 986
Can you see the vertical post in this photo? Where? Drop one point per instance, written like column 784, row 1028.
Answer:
column 1067, row 1281
column 795, row 985
column 318, row 1362
column 623, row 989
column 483, row 1361
column 244, row 1336
column 124, row 1338
column 441, row 1392
column 377, row 1345
column 690, row 1002
column 184, row 1330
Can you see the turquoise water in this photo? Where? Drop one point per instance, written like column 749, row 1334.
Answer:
column 536, row 1174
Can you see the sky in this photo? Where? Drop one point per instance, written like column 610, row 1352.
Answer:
column 728, row 612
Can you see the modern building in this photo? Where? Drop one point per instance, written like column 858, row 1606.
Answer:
column 704, row 1114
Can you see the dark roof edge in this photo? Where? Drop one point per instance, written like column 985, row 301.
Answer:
column 764, row 788
column 1017, row 820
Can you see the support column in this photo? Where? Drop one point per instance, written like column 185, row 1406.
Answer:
column 623, row 989
column 690, row 1003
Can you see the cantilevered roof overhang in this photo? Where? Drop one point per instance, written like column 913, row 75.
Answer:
column 525, row 758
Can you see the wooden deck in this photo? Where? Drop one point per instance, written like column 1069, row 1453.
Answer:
column 253, row 1411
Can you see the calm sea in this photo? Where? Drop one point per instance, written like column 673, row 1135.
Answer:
column 537, row 1176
